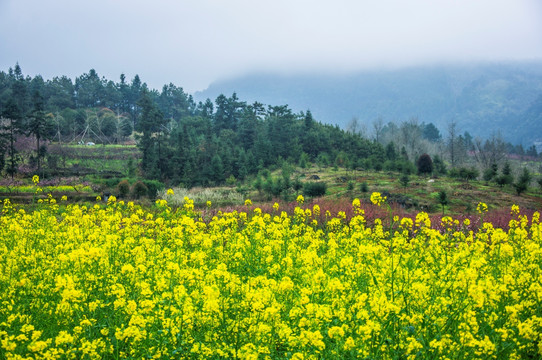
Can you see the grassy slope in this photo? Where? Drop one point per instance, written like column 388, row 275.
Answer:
column 421, row 192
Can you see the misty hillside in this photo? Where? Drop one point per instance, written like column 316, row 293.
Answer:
column 481, row 98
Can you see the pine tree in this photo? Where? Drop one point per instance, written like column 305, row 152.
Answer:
column 10, row 129
column 39, row 127
column 523, row 181
column 150, row 125
column 443, row 199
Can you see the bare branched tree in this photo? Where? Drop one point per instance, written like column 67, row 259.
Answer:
column 378, row 127
column 492, row 151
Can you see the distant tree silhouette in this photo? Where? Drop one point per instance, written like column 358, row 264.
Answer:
column 424, row 164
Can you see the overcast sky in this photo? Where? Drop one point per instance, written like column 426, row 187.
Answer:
column 193, row 43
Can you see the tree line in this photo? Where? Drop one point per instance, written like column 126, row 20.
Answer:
column 181, row 141
column 211, row 142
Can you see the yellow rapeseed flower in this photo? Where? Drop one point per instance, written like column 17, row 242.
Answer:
column 377, row 198
column 481, row 208
column 356, row 203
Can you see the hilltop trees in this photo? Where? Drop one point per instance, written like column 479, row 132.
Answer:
column 205, row 143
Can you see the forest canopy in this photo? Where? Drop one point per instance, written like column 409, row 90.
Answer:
column 204, row 143
column 181, row 141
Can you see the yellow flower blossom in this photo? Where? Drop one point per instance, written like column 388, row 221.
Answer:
column 377, row 198
column 150, row 281
column 481, row 208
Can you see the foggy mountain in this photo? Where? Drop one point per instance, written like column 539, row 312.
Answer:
column 480, row 98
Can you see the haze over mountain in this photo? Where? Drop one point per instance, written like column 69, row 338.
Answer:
column 482, row 98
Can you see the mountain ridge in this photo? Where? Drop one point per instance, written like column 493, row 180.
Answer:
column 480, row 98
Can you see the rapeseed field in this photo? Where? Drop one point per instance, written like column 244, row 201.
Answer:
column 120, row 281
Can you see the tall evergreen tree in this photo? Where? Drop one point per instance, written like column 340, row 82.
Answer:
column 11, row 127
column 150, row 125
column 39, row 127
column 19, row 89
column 89, row 90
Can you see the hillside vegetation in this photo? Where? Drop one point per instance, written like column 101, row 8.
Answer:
column 141, row 224
column 126, row 139
column 480, row 98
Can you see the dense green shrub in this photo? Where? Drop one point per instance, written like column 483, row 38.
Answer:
column 439, row 167
column 140, row 189
column 523, row 181
column 153, row 186
column 464, row 173
column 123, row 188
column 314, row 188
column 424, row 164
column 503, row 180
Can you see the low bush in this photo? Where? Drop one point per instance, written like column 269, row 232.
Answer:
column 314, row 188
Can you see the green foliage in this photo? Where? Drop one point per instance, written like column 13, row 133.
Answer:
column 404, row 180
column 258, row 184
column 364, row 187
column 9, row 129
column 464, row 173
column 506, row 177
column 523, row 181
column 376, row 164
column 503, row 180
column 322, row 160
column 153, row 186
column 431, row 133
column 314, row 188
column 297, row 184
column 491, row 172
column 507, row 169
column 181, row 141
column 439, row 165
column 424, row 164
column 231, row 180
column 391, row 153
column 130, row 167
column 123, row 189
column 443, row 199
column 140, row 189
column 304, row 160
column 39, row 127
